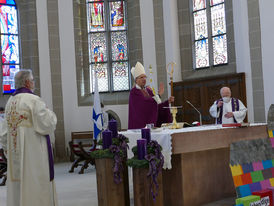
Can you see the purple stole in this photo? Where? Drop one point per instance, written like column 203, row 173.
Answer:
column 51, row 167
column 235, row 107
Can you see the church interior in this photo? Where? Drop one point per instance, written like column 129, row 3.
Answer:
column 193, row 47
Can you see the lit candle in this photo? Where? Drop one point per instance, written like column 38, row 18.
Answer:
column 141, row 148
column 112, row 126
column 107, row 139
column 146, row 134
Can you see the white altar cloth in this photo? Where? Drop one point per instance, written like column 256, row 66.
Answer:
column 164, row 138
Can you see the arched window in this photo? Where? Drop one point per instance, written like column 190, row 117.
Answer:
column 210, row 41
column 108, row 45
column 10, row 60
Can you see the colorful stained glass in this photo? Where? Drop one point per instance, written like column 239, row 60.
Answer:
column 198, row 4
column 9, row 47
column 94, row 0
column 201, row 53
column 9, row 72
column 120, row 76
column 11, row 2
column 102, row 77
column 98, row 48
column 96, row 18
column 220, row 50
column 214, row 2
column 119, row 46
column 8, row 20
column 200, row 25
column 218, row 19
column 117, row 15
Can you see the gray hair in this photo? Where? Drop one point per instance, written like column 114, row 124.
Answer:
column 21, row 77
column 223, row 88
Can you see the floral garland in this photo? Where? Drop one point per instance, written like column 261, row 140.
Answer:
column 117, row 151
column 154, row 160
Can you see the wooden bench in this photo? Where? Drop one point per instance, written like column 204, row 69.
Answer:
column 81, row 145
column 3, row 167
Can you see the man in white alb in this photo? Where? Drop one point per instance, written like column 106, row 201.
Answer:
column 228, row 110
column 25, row 136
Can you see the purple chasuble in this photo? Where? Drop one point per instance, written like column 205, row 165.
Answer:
column 235, row 107
column 51, row 167
column 145, row 110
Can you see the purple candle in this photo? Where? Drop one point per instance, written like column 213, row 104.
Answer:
column 146, row 134
column 112, row 126
column 141, row 148
column 107, row 139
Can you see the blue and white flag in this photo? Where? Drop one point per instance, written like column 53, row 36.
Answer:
column 97, row 115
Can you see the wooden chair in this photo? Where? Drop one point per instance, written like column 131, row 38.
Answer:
column 82, row 155
column 3, row 167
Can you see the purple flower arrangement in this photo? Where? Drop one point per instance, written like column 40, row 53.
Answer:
column 114, row 146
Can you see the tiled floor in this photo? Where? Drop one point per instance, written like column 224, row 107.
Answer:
column 80, row 190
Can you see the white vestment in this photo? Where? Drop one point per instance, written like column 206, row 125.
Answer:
column 23, row 131
column 227, row 107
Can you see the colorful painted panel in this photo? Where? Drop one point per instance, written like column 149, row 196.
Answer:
column 200, row 25
column 102, row 76
column 218, row 20
column 96, row 18
column 10, row 49
column 117, row 15
column 98, row 48
column 201, row 53
column 8, row 72
column 10, row 2
column 252, row 166
column 8, row 18
column 120, row 76
column 219, row 50
column 214, row 2
column 119, row 46
column 198, row 4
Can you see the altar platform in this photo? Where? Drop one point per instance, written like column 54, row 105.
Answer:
column 196, row 169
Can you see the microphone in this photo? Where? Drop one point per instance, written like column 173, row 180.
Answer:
column 196, row 111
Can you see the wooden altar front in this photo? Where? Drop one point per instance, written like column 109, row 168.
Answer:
column 200, row 165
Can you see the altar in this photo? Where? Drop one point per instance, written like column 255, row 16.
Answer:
column 196, row 168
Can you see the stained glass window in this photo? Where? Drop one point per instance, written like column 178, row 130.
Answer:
column 120, row 75
column 119, row 46
column 10, row 60
column 108, row 49
column 219, row 50
column 214, row 2
column 210, row 42
column 202, row 57
column 218, row 20
column 198, row 4
column 200, row 24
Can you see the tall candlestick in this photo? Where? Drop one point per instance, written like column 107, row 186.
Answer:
column 141, row 148
column 146, row 134
column 107, row 139
column 112, row 126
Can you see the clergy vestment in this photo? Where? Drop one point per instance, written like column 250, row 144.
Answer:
column 145, row 108
column 234, row 105
column 26, row 124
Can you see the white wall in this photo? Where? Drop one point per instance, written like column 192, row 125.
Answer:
column 172, row 41
column 43, row 48
column 267, row 43
column 75, row 118
column 241, row 34
column 148, row 38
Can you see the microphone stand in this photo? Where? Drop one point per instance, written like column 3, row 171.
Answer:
column 196, row 111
